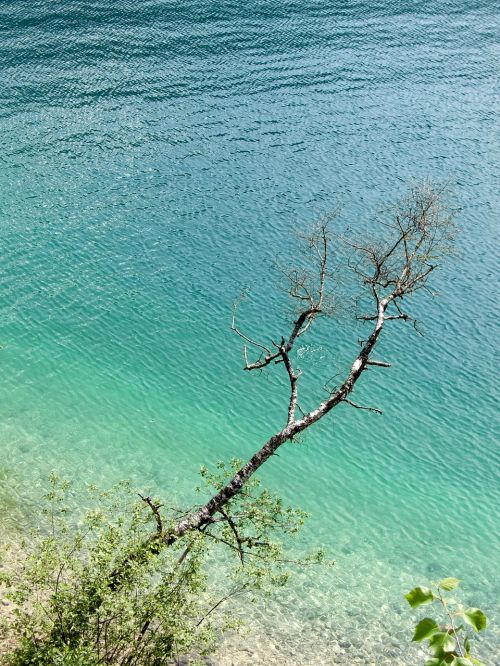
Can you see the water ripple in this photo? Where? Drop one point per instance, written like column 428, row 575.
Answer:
column 156, row 158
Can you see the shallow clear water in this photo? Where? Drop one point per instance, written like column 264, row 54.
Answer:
column 155, row 158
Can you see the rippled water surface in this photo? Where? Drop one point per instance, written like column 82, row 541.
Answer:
column 156, row 156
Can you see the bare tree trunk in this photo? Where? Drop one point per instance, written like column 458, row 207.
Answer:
column 204, row 515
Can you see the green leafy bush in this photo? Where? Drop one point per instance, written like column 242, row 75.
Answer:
column 102, row 587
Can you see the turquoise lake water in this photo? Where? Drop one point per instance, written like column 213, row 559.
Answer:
column 156, row 157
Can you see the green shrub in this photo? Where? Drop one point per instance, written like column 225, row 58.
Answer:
column 102, row 587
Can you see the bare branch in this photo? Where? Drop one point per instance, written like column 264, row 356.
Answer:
column 242, row 335
column 220, row 602
column 258, row 365
column 155, row 508
column 369, row 409
column 305, row 286
column 381, row 364
column 421, row 230
column 403, row 316
column 234, row 530
column 293, row 377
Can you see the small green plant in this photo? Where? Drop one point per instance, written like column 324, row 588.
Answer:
column 450, row 642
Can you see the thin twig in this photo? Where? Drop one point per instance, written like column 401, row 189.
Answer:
column 155, row 508
column 368, row 409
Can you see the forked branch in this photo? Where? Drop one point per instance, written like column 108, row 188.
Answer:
column 307, row 288
column 419, row 233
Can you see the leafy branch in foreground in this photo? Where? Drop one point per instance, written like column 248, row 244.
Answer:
column 450, row 642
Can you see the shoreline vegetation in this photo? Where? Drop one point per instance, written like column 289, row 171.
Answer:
column 331, row 644
column 251, row 646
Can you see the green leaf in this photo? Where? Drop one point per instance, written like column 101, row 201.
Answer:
column 467, row 645
column 475, row 617
column 425, row 629
column 437, row 661
column 462, row 661
column 476, row 661
column 419, row 596
column 442, row 641
column 449, row 584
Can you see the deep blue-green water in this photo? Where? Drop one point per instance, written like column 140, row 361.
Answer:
column 156, row 157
